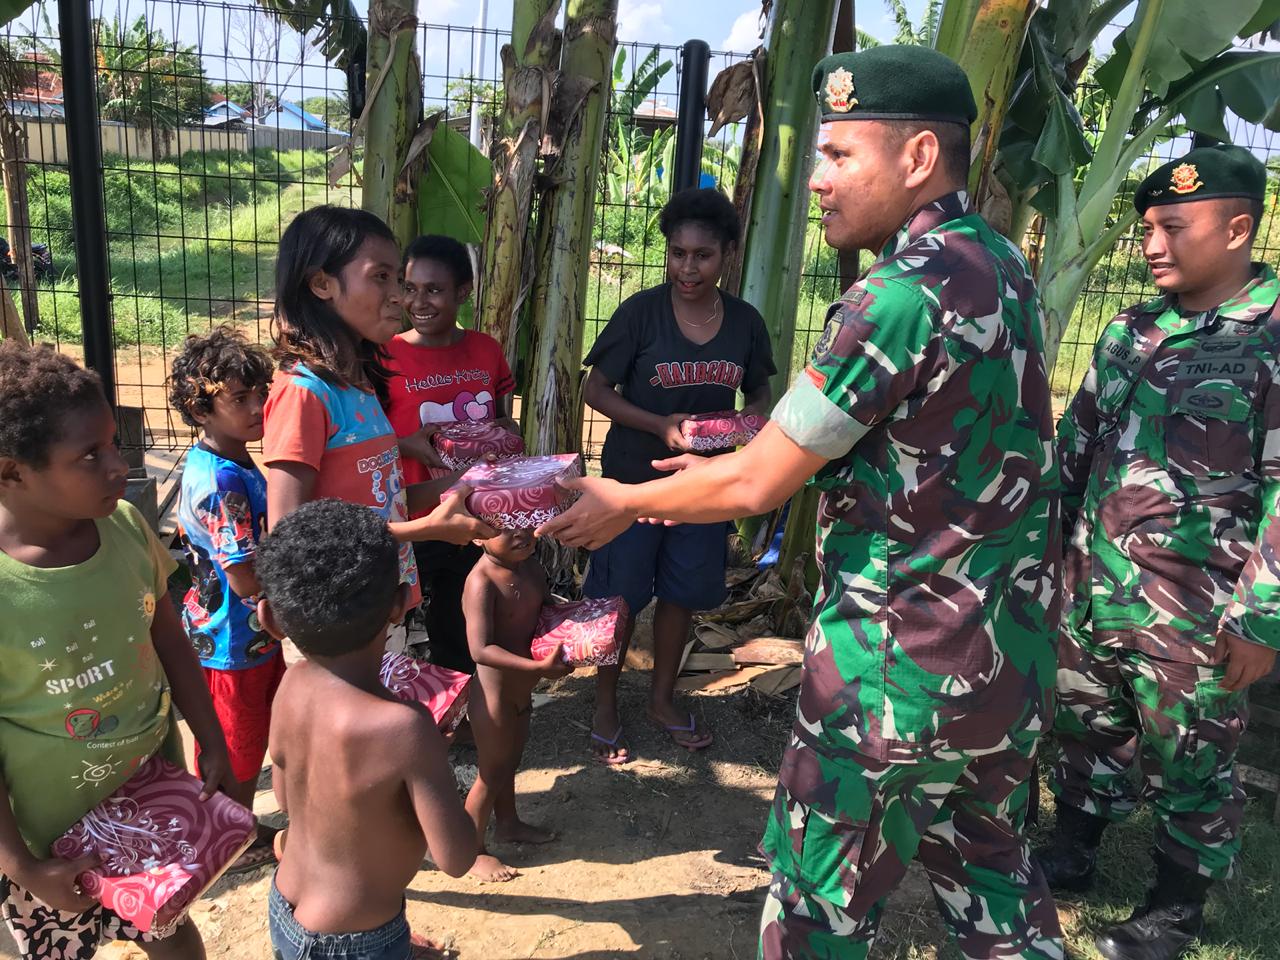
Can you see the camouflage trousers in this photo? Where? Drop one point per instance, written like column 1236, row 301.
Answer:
column 833, row 872
column 1119, row 705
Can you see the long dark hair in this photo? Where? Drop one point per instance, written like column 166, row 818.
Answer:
column 307, row 329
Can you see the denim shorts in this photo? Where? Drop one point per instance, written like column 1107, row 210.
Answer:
column 681, row 565
column 292, row 941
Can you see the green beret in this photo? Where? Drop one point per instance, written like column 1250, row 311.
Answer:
column 1206, row 173
column 893, row 83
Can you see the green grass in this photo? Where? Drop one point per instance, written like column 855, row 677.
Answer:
column 190, row 242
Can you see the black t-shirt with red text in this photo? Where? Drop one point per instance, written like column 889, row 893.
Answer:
column 658, row 369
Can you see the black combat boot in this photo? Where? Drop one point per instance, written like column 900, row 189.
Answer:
column 1166, row 924
column 1069, row 858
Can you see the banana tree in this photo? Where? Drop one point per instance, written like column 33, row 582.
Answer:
column 529, row 64
column 553, row 401
column 798, row 35
column 1170, row 62
column 552, row 409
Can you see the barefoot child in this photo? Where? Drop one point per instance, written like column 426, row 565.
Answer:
column 441, row 374
column 338, row 301
column 93, row 654
column 362, row 775
column 503, row 596
column 219, row 385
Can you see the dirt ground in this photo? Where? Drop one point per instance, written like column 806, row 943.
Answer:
column 656, row 859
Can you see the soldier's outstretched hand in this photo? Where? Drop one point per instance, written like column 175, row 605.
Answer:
column 1246, row 661
column 599, row 515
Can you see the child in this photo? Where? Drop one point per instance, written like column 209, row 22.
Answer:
column 337, row 303
column 504, row 594
column 442, row 374
column 93, row 654
column 680, row 348
column 219, row 384
column 364, row 779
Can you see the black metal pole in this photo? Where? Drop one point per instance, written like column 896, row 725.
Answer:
column 695, row 61
column 88, row 218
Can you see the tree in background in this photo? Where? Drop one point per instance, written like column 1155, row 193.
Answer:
column 1033, row 153
column 148, row 80
column 334, row 109
column 272, row 55
column 467, row 95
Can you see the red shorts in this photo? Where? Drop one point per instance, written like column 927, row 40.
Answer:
column 242, row 700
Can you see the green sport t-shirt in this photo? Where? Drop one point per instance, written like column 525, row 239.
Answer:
column 83, row 698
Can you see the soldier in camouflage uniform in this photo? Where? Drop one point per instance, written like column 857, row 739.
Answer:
column 1170, row 457
column 924, row 417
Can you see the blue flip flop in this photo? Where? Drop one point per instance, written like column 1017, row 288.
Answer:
column 691, row 728
column 614, row 761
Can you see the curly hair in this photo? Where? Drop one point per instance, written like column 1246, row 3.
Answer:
column 40, row 389
column 707, row 207
column 444, row 250
column 330, row 570
column 205, row 365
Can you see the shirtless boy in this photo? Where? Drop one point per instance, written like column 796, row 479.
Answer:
column 501, row 600
column 362, row 775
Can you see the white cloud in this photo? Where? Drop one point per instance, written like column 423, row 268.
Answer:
column 744, row 35
column 642, row 20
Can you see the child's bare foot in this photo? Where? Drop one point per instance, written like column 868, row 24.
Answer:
column 517, row 831
column 489, row 869
column 606, row 738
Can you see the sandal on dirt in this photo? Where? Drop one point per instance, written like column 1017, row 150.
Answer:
column 260, row 853
column 614, row 761
column 674, row 730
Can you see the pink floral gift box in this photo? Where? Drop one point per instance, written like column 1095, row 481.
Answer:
column 521, row 493
column 466, row 442
column 591, row 631
column 721, row 431
column 160, row 845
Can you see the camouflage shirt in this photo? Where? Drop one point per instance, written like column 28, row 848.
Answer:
column 1171, row 478
column 938, row 528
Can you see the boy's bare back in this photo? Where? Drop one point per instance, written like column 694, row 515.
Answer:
column 365, row 781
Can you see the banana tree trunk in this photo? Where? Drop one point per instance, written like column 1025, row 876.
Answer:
column 989, row 52
column 391, row 117
column 13, row 172
column 529, row 66
column 553, row 398
column 799, row 34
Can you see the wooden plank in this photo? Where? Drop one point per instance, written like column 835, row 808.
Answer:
column 716, row 682
column 715, row 636
column 770, row 650
column 684, row 655
column 709, row 661
column 778, row 680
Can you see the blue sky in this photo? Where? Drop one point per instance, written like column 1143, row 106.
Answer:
column 221, row 36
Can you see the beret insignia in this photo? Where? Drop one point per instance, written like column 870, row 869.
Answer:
column 1185, row 178
column 840, row 96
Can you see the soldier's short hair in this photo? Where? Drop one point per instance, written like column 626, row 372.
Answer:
column 1236, row 206
column 953, row 144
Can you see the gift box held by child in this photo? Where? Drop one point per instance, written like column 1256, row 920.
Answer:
column 93, row 650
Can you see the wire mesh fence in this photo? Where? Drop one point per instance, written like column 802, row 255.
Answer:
column 218, row 126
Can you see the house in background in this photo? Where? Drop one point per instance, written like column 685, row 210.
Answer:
column 41, row 92
column 290, row 116
column 226, row 113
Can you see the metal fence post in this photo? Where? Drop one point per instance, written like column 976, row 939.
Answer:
column 84, row 162
column 695, row 62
